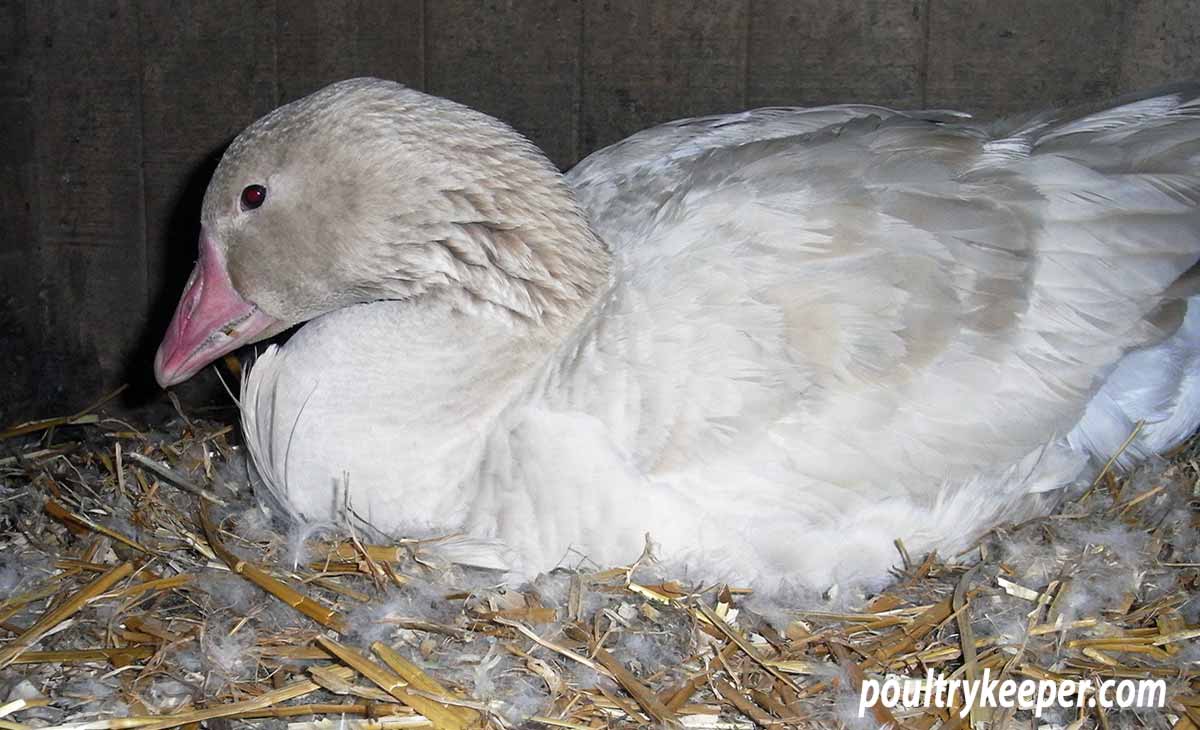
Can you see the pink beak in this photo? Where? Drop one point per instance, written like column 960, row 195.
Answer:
column 211, row 320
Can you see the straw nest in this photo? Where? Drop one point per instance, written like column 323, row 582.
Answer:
column 142, row 589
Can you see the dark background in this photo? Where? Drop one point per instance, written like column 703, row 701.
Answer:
column 115, row 113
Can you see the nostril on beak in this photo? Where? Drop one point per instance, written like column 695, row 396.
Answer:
column 194, row 300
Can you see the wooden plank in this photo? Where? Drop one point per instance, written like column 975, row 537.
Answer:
column 390, row 42
column 209, row 70
column 87, row 141
column 516, row 61
column 22, row 339
column 997, row 57
column 20, row 333
column 320, row 42
column 651, row 61
column 1161, row 38
column 813, row 52
column 14, row 45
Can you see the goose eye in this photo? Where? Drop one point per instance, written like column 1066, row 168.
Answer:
column 253, row 196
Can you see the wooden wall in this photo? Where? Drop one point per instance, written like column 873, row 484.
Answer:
column 115, row 111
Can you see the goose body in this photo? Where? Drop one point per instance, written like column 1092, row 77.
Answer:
column 773, row 341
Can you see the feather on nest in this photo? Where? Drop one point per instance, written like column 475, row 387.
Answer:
column 143, row 589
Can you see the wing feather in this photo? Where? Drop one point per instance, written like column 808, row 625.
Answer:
column 855, row 280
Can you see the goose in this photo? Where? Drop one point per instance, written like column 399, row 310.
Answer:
column 771, row 342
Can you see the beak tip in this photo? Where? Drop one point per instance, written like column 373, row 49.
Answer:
column 165, row 374
column 164, row 378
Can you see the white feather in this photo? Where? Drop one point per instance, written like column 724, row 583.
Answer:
column 825, row 329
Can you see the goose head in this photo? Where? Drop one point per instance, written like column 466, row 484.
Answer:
column 365, row 191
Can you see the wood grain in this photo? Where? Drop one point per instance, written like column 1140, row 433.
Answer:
column 651, row 61
column 320, row 42
column 20, row 331
column 88, row 185
column 518, row 61
column 1161, row 43
column 998, row 57
column 813, row 52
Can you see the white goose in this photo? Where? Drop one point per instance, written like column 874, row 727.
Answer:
column 774, row 341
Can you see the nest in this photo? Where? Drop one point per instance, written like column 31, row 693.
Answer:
column 142, row 588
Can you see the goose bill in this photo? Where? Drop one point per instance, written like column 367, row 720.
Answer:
column 211, row 320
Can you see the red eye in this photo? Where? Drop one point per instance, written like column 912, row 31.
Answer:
column 253, row 196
